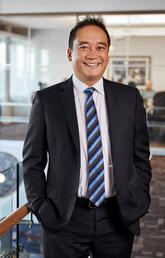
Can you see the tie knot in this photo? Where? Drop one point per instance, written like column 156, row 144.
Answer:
column 89, row 90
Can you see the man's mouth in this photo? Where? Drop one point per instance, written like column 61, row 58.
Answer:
column 92, row 64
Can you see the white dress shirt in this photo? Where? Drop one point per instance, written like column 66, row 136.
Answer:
column 100, row 103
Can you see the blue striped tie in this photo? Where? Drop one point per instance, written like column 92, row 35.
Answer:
column 95, row 155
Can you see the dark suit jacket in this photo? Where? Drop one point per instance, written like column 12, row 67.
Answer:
column 53, row 130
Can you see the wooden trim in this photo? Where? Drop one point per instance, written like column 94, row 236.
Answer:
column 7, row 223
column 85, row 13
column 9, row 27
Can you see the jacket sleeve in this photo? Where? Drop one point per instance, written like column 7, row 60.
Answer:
column 141, row 145
column 35, row 157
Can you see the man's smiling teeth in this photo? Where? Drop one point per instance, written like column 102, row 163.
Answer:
column 92, row 64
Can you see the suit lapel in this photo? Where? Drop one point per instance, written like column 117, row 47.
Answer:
column 68, row 102
column 110, row 101
column 113, row 110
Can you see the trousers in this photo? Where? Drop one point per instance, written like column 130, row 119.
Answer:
column 94, row 232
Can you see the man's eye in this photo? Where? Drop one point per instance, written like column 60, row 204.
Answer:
column 83, row 47
column 101, row 48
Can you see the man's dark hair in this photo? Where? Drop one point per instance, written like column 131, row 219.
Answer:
column 85, row 22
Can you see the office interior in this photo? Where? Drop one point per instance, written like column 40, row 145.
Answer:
column 32, row 57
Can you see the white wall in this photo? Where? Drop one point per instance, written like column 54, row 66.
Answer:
column 56, row 41
column 39, row 6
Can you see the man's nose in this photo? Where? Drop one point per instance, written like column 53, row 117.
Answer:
column 92, row 53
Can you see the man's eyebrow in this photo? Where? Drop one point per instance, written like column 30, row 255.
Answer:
column 99, row 43
column 102, row 43
column 82, row 43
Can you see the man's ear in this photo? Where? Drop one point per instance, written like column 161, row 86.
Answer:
column 69, row 54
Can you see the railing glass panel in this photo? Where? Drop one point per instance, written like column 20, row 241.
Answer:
column 7, row 192
column 29, row 230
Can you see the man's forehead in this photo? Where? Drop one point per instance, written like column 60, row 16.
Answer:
column 90, row 33
column 90, row 29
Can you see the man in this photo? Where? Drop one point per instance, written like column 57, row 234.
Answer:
column 94, row 130
column 148, row 94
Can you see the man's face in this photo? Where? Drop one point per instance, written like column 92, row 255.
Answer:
column 89, row 55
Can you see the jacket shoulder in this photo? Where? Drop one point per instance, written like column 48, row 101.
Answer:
column 55, row 88
column 121, row 88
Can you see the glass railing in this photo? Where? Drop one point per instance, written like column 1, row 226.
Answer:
column 7, row 190
column 29, row 231
column 24, row 239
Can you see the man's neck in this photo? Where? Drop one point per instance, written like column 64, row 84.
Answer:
column 88, row 83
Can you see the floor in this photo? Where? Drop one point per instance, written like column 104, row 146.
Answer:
column 151, row 243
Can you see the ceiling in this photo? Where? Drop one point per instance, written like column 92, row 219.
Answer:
column 144, row 25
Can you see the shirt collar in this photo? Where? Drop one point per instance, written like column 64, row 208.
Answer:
column 80, row 86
